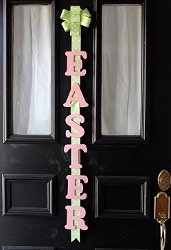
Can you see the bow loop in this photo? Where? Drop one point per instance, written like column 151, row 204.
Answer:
column 74, row 18
column 65, row 16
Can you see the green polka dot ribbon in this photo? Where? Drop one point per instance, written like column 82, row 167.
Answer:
column 72, row 21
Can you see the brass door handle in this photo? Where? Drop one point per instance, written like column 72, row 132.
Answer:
column 162, row 205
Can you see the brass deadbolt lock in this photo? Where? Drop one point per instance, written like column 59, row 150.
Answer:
column 164, row 180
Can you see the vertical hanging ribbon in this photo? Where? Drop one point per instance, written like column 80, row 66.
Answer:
column 72, row 21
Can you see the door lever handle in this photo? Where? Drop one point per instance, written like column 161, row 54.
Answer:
column 162, row 236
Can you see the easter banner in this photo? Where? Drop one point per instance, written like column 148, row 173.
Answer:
column 73, row 19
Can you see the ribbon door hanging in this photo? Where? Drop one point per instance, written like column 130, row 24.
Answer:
column 72, row 21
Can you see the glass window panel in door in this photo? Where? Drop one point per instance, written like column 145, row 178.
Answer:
column 122, row 81
column 32, row 75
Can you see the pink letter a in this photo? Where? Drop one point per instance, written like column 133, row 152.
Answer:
column 76, row 95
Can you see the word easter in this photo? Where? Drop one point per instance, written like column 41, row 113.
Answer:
column 75, row 213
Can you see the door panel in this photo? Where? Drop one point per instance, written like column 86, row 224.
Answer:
column 121, row 92
column 28, row 194
column 122, row 65
column 30, row 75
column 122, row 197
column 122, row 170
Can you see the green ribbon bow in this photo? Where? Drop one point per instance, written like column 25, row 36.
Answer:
column 74, row 18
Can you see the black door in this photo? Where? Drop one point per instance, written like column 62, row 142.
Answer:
column 127, row 124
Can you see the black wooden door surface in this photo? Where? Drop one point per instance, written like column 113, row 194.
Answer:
column 122, row 172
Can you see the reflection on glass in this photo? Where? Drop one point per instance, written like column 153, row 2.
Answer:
column 121, row 112
column 31, row 70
